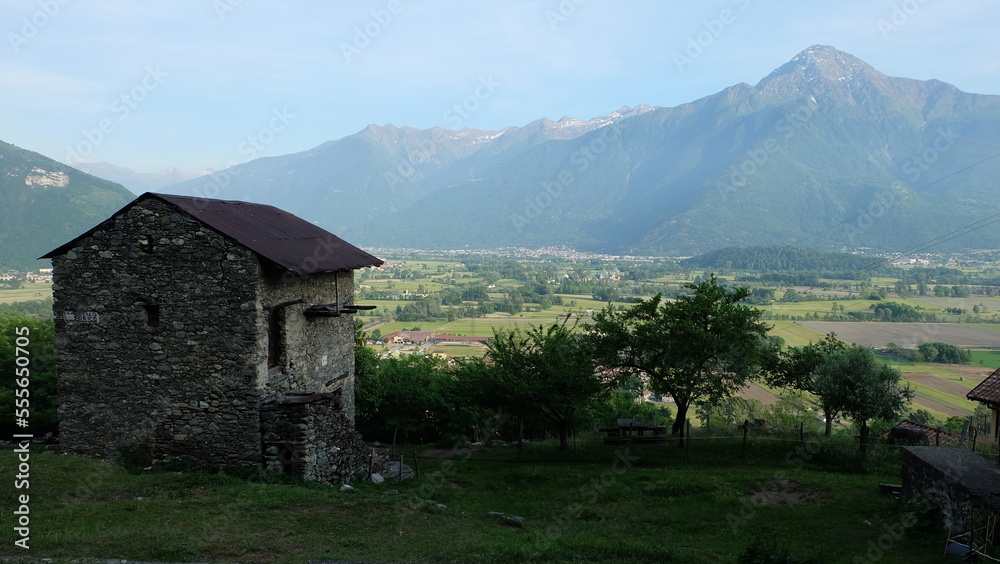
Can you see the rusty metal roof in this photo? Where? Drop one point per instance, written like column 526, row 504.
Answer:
column 283, row 238
column 988, row 391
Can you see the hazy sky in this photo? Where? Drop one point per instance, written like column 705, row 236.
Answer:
column 207, row 83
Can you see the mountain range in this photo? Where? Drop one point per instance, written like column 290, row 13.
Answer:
column 825, row 152
column 44, row 203
column 137, row 182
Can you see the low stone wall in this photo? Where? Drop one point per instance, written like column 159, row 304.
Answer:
column 310, row 436
column 951, row 482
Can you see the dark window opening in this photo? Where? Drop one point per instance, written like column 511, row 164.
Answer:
column 145, row 245
column 152, row 315
column 275, row 340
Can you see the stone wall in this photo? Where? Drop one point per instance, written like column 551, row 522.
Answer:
column 951, row 482
column 157, row 339
column 309, row 436
column 165, row 341
column 318, row 352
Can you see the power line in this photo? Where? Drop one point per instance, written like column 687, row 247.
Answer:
column 906, row 195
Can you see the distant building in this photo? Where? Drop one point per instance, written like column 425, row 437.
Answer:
column 217, row 332
column 409, row 337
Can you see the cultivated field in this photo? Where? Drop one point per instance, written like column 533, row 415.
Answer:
column 30, row 291
column 907, row 335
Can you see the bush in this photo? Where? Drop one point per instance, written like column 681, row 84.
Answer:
column 42, row 399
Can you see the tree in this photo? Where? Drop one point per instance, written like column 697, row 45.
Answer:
column 36, row 339
column 548, row 371
column 409, row 397
column 703, row 347
column 799, row 368
column 790, row 295
column 368, row 390
column 854, row 382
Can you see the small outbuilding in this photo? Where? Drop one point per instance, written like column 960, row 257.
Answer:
column 216, row 332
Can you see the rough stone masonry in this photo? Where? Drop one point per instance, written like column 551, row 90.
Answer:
column 215, row 332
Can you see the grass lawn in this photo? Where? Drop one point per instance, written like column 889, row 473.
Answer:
column 454, row 351
column 988, row 359
column 598, row 504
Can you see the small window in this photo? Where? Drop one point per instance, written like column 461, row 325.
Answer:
column 152, row 315
column 275, row 338
column 145, row 244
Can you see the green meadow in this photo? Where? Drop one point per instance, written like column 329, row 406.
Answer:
column 596, row 503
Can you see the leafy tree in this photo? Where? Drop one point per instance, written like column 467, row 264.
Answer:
column 703, row 347
column 476, row 293
column 731, row 411
column 942, row 352
column 790, row 295
column 43, row 399
column 854, row 382
column 799, row 368
column 903, row 289
column 368, row 390
column 410, row 397
column 548, row 371
column 923, row 417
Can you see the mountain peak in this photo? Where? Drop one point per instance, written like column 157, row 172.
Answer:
column 819, row 63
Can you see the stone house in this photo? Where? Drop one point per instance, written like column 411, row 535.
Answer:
column 216, row 332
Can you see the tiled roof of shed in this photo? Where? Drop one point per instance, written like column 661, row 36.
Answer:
column 281, row 237
column 988, row 391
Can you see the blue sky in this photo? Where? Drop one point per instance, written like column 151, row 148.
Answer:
column 203, row 84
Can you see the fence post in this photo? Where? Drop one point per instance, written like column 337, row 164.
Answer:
column 746, row 428
column 687, row 445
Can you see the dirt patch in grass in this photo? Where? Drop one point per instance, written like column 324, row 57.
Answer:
column 784, row 491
